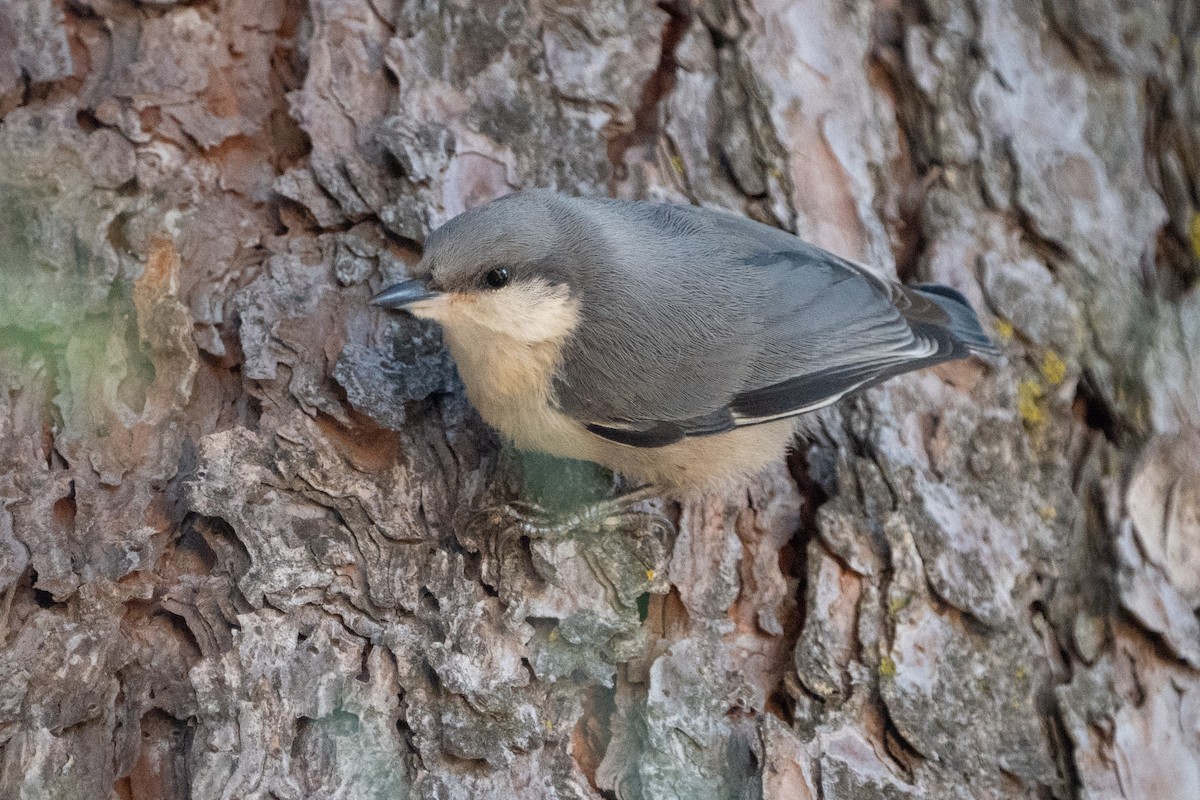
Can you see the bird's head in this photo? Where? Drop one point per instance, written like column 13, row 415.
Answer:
column 497, row 269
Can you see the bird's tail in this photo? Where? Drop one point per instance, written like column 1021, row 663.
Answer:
column 964, row 324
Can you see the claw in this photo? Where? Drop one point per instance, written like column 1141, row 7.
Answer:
column 607, row 516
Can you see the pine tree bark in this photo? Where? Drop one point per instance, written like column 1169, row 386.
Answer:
column 244, row 542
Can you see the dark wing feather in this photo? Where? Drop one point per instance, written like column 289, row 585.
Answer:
column 815, row 390
column 656, row 435
column 659, row 433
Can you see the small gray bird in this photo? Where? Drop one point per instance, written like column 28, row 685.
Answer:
column 672, row 344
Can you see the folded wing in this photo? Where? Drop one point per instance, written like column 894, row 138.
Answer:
column 823, row 328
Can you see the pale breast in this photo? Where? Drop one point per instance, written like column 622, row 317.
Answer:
column 509, row 383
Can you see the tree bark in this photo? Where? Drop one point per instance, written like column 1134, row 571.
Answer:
column 247, row 547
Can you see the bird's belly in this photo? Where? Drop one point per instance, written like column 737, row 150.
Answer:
column 510, row 386
column 692, row 464
column 701, row 462
column 533, row 424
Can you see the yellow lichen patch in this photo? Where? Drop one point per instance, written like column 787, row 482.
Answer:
column 1004, row 329
column 1048, row 513
column 887, row 667
column 1031, row 402
column 1195, row 234
column 1140, row 420
column 897, row 604
column 553, row 637
column 1054, row 369
column 678, row 165
column 650, row 574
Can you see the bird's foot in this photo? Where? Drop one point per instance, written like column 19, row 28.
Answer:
column 620, row 514
column 630, row 562
column 612, row 515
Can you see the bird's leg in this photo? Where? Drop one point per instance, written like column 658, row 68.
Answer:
column 629, row 563
column 610, row 515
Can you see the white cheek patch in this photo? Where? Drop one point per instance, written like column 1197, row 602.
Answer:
column 529, row 311
column 434, row 309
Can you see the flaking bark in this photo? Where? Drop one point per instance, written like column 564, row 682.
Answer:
column 248, row 534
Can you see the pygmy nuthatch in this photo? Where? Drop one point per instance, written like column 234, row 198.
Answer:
column 672, row 344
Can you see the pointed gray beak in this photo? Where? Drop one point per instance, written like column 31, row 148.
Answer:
column 403, row 294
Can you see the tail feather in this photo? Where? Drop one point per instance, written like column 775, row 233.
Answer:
column 964, row 324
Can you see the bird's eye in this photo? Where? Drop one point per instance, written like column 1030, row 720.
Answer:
column 497, row 277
